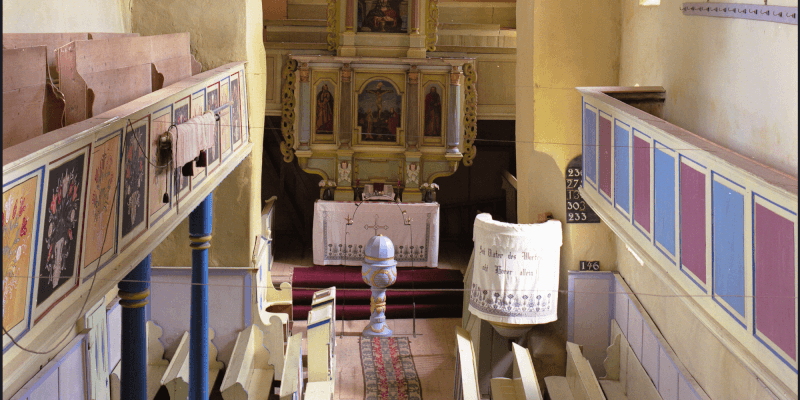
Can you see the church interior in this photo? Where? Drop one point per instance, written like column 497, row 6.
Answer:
column 400, row 199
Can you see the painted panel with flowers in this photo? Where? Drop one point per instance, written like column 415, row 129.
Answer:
column 102, row 205
column 60, row 240
column 19, row 204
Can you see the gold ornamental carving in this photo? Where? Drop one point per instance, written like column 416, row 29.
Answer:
column 470, row 114
column 304, row 72
column 333, row 35
column 432, row 25
column 289, row 77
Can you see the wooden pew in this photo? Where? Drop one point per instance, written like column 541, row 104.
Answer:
column 99, row 75
column 273, row 301
column 625, row 377
column 524, row 386
column 156, row 364
column 466, row 373
column 24, row 92
column 292, row 378
column 249, row 374
column 321, row 340
column 176, row 376
column 580, row 382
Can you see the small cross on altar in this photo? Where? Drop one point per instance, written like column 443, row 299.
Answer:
column 376, row 226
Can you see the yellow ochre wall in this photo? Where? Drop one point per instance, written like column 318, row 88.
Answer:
column 221, row 32
column 561, row 44
column 46, row 16
column 732, row 81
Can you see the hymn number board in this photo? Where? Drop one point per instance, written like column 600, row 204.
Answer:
column 577, row 209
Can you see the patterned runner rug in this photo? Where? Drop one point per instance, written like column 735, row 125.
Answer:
column 389, row 372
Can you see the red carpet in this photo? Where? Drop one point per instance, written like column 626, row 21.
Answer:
column 404, row 303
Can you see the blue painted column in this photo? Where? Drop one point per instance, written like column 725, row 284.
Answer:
column 200, row 236
column 134, row 291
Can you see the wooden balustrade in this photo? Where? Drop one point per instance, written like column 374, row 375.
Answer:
column 718, row 228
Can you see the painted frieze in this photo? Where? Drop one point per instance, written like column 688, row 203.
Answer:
column 19, row 204
column 60, row 240
column 103, row 191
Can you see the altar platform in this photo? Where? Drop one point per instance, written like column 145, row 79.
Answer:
column 341, row 229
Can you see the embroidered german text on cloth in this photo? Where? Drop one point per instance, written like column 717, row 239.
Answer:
column 515, row 271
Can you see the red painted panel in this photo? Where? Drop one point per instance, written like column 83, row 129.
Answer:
column 775, row 278
column 693, row 221
column 641, row 182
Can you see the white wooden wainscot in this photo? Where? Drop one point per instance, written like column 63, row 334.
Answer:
column 292, row 378
column 62, row 378
column 176, row 377
column 599, row 301
column 580, row 382
column 321, row 341
column 249, row 375
column 127, row 200
column 466, row 373
column 524, row 385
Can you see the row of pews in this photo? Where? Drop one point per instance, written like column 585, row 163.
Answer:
column 580, row 382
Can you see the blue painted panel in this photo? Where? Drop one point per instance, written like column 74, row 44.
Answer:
column 622, row 168
column 590, row 144
column 728, row 245
column 665, row 200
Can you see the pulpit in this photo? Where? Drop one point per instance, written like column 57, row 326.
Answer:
column 342, row 228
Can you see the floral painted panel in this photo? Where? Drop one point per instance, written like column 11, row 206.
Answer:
column 158, row 176
column 236, row 127
column 181, row 116
column 60, row 240
column 18, row 207
column 133, row 197
column 212, row 102
column 101, row 207
column 225, row 128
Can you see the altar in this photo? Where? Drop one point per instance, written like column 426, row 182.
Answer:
column 341, row 229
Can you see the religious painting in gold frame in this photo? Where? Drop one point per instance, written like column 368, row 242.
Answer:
column 382, row 16
column 433, row 110
column 379, row 113
column 323, row 110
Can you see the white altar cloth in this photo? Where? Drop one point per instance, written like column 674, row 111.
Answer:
column 515, row 271
column 337, row 243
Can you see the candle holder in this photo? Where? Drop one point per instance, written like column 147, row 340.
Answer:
column 379, row 270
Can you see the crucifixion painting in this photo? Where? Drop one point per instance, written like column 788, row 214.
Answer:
column 379, row 112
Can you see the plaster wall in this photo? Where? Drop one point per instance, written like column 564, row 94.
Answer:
column 46, row 16
column 731, row 81
column 221, row 32
column 561, row 45
column 718, row 371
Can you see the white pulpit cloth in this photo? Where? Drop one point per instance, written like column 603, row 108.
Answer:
column 336, row 243
column 515, row 271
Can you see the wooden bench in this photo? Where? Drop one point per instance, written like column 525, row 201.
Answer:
column 466, row 373
column 292, row 378
column 625, row 377
column 176, row 376
column 156, row 364
column 524, row 386
column 580, row 382
column 321, row 340
column 271, row 301
column 249, row 374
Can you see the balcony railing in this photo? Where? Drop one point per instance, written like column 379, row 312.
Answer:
column 82, row 205
column 718, row 227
